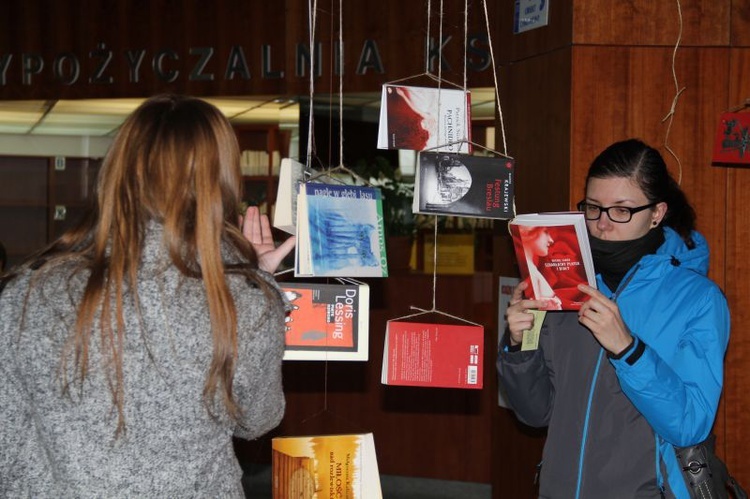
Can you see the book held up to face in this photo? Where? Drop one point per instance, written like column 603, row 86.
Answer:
column 554, row 257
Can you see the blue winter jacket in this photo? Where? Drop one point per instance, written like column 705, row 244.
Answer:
column 613, row 423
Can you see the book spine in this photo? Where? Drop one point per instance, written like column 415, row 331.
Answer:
column 381, row 236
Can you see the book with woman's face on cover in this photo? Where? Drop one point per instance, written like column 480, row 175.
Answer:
column 554, row 256
column 419, row 118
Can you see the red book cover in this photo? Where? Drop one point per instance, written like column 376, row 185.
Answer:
column 327, row 321
column 732, row 139
column 554, row 256
column 433, row 355
column 419, row 118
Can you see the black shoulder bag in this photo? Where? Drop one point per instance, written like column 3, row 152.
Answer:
column 705, row 474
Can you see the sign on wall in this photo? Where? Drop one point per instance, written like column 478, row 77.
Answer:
column 530, row 14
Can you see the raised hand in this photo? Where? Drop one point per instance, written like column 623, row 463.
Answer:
column 257, row 229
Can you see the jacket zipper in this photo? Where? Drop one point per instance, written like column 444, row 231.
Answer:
column 594, row 380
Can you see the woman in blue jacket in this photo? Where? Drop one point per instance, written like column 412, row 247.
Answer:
column 638, row 370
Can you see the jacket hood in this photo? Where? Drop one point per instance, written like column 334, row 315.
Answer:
column 675, row 253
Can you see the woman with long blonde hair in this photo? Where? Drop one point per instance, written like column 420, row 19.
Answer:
column 134, row 347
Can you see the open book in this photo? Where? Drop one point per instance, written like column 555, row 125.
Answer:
column 325, row 466
column 464, row 186
column 340, row 231
column 554, row 255
column 327, row 321
column 433, row 355
column 419, row 118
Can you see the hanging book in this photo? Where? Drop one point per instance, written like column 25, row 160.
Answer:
column 340, row 231
column 463, row 186
column 433, row 355
column 554, row 255
column 419, row 118
column 291, row 176
column 310, row 467
column 732, row 140
column 327, row 321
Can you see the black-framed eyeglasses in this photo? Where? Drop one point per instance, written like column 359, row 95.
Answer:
column 618, row 214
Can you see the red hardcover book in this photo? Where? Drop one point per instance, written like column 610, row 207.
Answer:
column 327, row 321
column 433, row 355
column 554, row 255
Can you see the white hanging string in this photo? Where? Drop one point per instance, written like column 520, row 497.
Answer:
column 435, row 217
column 494, row 76
column 427, row 39
column 341, row 84
column 312, row 6
column 678, row 90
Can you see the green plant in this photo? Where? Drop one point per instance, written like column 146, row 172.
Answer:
column 399, row 219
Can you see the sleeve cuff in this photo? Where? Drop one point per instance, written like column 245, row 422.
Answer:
column 632, row 353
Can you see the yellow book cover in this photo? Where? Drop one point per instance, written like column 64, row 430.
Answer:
column 325, row 466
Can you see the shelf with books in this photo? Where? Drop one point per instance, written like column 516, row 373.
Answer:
column 261, row 149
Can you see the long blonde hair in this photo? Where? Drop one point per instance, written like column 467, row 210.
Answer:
column 175, row 160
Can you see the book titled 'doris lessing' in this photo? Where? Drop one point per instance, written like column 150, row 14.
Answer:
column 433, row 355
column 340, row 231
column 419, row 118
column 464, row 186
column 327, row 321
column 325, row 466
column 554, row 256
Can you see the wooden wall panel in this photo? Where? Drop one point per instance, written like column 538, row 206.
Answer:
column 740, row 23
column 535, row 98
column 737, row 375
column 622, row 92
column 510, row 48
column 645, row 22
column 73, row 32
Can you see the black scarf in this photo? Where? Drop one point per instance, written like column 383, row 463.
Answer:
column 613, row 259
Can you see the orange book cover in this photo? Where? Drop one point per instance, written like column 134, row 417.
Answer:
column 327, row 321
column 554, row 256
column 317, row 467
column 433, row 355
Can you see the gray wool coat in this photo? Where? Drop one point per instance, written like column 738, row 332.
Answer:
column 55, row 445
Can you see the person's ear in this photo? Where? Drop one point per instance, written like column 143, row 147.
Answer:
column 658, row 214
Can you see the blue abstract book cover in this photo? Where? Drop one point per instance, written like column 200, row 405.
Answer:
column 340, row 231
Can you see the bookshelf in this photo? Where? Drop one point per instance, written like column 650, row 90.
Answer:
column 261, row 147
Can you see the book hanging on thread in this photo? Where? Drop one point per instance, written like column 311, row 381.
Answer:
column 433, row 355
column 340, row 231
column 461, row 185
column 291, row 176
column 328, row 321
column 419, row 118
column 342, row 465
column 554, row 256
